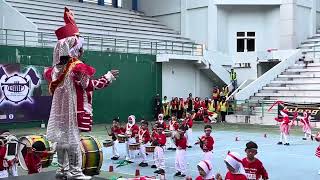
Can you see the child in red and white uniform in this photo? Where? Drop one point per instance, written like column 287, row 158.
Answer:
column 173, row 127
column 3, row 164
column 205, row 169
column 161, row 120
column 317, row 137
column 34, row 156
column 206, row 143
column 235, row 167
column 253, row 166
column 306, row 128
column 284, row 127
column 181, row 143
column 131, row 132
column 159, row 140
column 115, row 130
column 188, row 123
column 144, row 138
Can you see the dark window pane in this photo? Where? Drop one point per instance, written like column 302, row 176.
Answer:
column 240, row 34
column 240, row 45
column 251, row 34
column 250, row 44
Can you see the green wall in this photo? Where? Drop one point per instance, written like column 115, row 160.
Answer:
column 132, row 93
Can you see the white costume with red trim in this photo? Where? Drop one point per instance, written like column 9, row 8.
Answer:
column 306, row 128
column 285, row 126
column 71, row 85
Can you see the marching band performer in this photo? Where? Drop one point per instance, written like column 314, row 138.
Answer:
column 131, row 132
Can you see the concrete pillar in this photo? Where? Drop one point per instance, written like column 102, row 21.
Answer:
column 288, row 39
column 313, row 18
column 212, row 41
column 184, row 18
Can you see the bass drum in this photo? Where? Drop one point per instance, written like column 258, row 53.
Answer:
column 92, row 155
column 29, row 141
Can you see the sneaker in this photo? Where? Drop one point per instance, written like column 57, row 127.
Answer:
column 304, row 138
column 189, row 146
column 161, row 171
column 78, row 176
column 174, row 149
column 177, row 174
column 115, row 158
column 286, row 144
column 279, row 143
column 154, row 166
column 143, row 164
column 156, row 171
column 169, row 148
column 182, row 175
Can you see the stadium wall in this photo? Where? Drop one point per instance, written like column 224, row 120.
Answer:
column 132, row 93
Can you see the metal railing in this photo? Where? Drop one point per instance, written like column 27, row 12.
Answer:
column 11, row 37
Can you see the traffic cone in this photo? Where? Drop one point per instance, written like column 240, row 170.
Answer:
column 110, row 168
column 237, row 139
column 137, row 173
column 265, row 135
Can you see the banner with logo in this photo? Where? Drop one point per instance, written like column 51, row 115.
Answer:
column 312, row 108
column 23, row 94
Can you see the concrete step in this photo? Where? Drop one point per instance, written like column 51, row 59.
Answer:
column 298, row 79
column 299, row 76
column 297, row 99
column 289, row 94
column 303, row 88
column 304, row 70
column 295, row 82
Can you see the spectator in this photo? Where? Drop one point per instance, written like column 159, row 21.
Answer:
column 165, row 107
column 223, row 106
column 233, row 77
column 157, row 106
column 190, row 103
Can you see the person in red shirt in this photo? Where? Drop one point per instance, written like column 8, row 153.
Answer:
column 173, row 127
column 34, row 156
column 115, row 130
column 161, row 120
column 143, row 139
column 253, row 166
column 206, row 143
column 235, row 167
column 159, row 140
column 188, row 123
column 180, row 108
column 181, row 143
column 131, row 132
column 3, row 166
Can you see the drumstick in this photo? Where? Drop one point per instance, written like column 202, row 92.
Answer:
column 107, row 130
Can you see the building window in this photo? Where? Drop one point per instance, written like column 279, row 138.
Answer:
column 246, row 41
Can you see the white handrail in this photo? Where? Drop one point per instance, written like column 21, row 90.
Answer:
column 267, row 77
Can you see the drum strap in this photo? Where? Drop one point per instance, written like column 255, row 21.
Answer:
column 141, row 134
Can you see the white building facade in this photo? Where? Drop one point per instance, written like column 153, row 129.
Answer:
column 235, row 33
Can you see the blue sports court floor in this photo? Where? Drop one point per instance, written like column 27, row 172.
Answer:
column 296, row 161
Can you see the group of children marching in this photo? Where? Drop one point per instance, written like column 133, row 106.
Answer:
column 249, row 168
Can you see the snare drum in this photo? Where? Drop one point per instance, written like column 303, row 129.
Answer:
column 150, row 149
column 168, row 133
column 108, row 143
column 92, row 155
column 29, row 141
column 122, row 138
column 135, row 146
